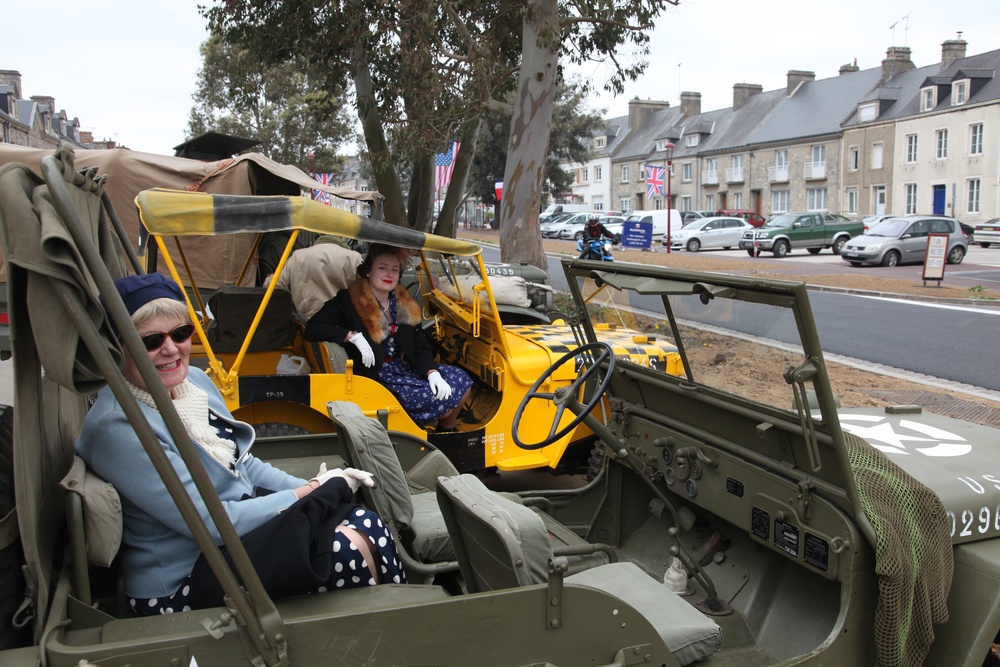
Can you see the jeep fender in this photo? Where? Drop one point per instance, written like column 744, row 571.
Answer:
column 973, row 607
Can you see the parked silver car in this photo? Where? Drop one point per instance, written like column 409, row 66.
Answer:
column 988, row 233
column 718, row 232
column 903, row 240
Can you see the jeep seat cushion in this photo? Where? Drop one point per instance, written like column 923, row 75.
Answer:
column 689, row 634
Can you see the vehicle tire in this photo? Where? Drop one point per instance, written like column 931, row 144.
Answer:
column 577, row 236
column 278, row 430
column 752, row 252
column 855, row 263
column 838, row 245
column 813, row 251
column 891, row 258
column 694, row 245
column 956, row 255
column 11, row 558
column 595, row 464
column 780, row 248
column 984, row 245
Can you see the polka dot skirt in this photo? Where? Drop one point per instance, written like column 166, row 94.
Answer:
column 349, row 567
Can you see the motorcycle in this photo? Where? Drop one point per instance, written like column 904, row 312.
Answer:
column 597, row 249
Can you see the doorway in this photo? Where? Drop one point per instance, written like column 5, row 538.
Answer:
column 878, row 198
column 939, row 197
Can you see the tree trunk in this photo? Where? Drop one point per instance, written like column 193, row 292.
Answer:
column 459, row 179
column 420, row 208
column 378, row 149
column 520, row 238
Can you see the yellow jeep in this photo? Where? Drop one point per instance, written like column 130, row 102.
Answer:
column 246, row 335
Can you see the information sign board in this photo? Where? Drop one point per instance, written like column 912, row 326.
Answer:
column 935, row 257
column 637, row 234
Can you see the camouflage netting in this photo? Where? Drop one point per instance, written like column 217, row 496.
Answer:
column 913, row 555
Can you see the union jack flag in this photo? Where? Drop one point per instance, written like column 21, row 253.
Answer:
column 654, row 181
column 444, row 164
column 319, row 195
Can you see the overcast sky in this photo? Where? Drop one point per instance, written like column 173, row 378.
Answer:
column 126, row 68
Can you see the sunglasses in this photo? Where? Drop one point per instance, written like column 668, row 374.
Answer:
column 155, row 340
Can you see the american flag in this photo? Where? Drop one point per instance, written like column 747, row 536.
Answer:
column 654, row 181
column 319, row 195
column 444, row 164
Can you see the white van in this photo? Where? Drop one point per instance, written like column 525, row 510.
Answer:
column 659, row 220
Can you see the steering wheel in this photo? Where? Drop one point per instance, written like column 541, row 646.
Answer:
column 563, row 396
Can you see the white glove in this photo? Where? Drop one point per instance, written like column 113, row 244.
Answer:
column 440, row 388
column 354, row 477
column 367, row 356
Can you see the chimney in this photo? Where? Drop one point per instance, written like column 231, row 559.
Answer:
column 850, row 68
column 897, row 60
column 639, row 111
column 86, row 138
column 743, row 92
column 690, row 104
column 12, row 78
column 797, row 77
column 952, row 50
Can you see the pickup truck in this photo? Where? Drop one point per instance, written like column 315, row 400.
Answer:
column 812, row 231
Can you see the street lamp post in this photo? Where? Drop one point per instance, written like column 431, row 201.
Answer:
column 670, row 168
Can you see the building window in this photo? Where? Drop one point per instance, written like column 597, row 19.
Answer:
column 779, row 201
column 819, row 153
column 911, row 148
column 941, row 142
column 853, row 158
column 911, row 198
column 976, row 139
column 866, row 113
column 686, row 203
column 928, row 99
column 625, row 204
column 737, row 200
column 599, row 142
column 692, row 140
column 624, row 173
column 959, row 92
column 585, row 175
column 598, row 174
column 687, row 171
column 816, row 199
column 973, row 206
column 877, row 155
column 852, row 200
column 710, row 202
column 657, row 204
column 642, row 172
column 598, row 203
column 713, row 166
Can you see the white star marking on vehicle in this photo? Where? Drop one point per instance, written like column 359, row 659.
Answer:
column 892, row 442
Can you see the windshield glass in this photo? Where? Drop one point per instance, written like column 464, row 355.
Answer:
column 785, row 220
column 892, row 227
column 725, row 339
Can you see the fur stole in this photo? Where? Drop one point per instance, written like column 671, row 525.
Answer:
column 407, row 309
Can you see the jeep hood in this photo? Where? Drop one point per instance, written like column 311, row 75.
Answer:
column 958, row 460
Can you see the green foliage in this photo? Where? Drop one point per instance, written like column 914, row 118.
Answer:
column 979, row 292
column 286, row 106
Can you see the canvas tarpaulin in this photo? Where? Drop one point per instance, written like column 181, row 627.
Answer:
column 214, row 260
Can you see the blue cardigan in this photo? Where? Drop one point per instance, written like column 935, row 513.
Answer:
column 159, row 550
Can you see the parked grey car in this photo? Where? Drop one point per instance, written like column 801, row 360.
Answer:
column 903, row 240
column 574, row 231
column 719, row 232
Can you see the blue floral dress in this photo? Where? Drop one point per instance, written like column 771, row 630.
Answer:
column 412, row 389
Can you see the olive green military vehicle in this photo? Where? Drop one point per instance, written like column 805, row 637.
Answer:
column 717, row 530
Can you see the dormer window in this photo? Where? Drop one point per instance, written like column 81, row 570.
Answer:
column 928, row 99
column 599, row 142
column 959, row 93
column 692, row 140
column 866, row 112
